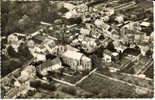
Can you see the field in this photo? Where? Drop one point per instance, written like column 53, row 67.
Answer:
column 112, row 87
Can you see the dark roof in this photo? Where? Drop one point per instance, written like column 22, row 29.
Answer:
column 49, row 63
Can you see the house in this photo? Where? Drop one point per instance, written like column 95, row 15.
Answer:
column 45, row 23
column 50, row 65
column 57, row 50
column 138, row 37
column 141, row 37
column 68, row 6
column 95, row 33
column 29, row 72
column 144, row 47
column 38, row 51
column 130, row 36
column 105, row 18
column 71, row 14
column 15, row 40
column 85, row 31
column 36, row 33
column 107, row 56
column 89, row 45
column 119, row 46
column 109, row 11
column 145, row 24
column 81, row 37
column 89, row 25
column 48, row 44
column 106, row 42
column 115, row 56
column 107, row 33
column 75, row 42
column 76, row 60
column 98, row 22
column 105, row 26
column 115, row 34
column 152, row 37
column 119, row 19
column 131, row 27
column 146, row 39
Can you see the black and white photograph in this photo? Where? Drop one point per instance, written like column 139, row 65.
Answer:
column 66, row 49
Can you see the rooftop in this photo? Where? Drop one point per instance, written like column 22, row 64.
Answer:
column 49, row 63
column 107, row 52
column 72, row 54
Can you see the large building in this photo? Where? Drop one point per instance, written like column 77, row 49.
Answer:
column 50, row 65
column 76, row 60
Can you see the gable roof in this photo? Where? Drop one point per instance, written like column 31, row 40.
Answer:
column 49, row 63
column 72, row 54
column 107, row 52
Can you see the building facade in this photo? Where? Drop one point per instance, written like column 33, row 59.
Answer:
column 77, row 61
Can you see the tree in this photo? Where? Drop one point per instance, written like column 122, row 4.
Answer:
column 97, row 62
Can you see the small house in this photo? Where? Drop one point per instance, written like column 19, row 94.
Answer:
column 107, row 56
column 144, row 47
column 84, row 31
column 115, row 34
column 115, row 56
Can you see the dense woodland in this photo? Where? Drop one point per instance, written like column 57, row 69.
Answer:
column 26, row 16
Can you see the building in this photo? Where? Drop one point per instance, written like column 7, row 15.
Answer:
column 141, row 37
column 41, row 44
column 85, row 31
column 115, row 56
column 15, row 40
column 106, row 42
column 105, row 26
column 68, row 47
column 144, row 47
column 105, row 18
column 75, row 43
column 119, row 19
column 29, row 72
column 98, row 22
column 50, row 65
column 115, row 35
column 138, row 38
column 89, row 45
column 38, row 51
column 95, row 33
column 56, row 50
column 145, row 24
column 107, row 56
column 76, row 60
column 119, row 46
column 131, row 27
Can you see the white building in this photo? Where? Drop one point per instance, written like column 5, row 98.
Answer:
column 14, row 41
column 76, row 60
column 107, row 56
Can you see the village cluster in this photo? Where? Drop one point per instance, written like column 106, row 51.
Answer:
column 104, row 30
